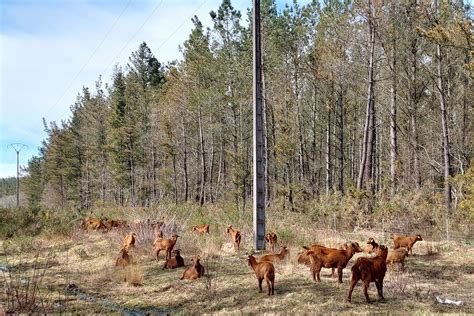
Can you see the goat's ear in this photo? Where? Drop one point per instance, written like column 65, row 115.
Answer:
column 306, row 247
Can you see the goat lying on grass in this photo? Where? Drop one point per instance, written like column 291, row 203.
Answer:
column 175, row 262
column 195, row 271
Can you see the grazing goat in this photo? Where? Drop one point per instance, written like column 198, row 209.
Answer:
column 201, row 229
column 236, row 237
column 195, row 271
column 397, row 256
column 370, row 270
column 123, row 259
column 275, row 257
column 263, row 271
column 129, row 241
column 165, row 244
column 405, row 241
column 94, row 223
column 371, row 245
column 332, row 258
column 271, row 238
column 175, row 262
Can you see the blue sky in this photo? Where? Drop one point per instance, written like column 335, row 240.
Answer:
column 50, row 49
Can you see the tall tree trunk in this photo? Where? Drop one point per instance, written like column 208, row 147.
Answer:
column 393, row 123
column 328, row 152
column 414, row 113
column 314, row 177
column 444, row 124
column 175, row 179
column 340, row 103
column 365, row 170
column 202, row 191
column 185, row 161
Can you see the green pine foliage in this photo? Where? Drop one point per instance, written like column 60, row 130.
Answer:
column 182, row 132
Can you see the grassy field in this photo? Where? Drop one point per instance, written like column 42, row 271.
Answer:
column 76, row 274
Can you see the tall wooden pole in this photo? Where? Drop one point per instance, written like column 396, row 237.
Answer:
column 258, row 139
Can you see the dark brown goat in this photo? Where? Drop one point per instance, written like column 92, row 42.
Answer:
column 263, row 271
column 332, row 258
column 195, row 271
column 370, row 270
column 123, row 259
column 271, row 238
column 405, row 241
column 371, row 245
column 175, row 262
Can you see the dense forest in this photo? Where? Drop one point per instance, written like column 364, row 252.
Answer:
column 368, row 98
column 7, row 186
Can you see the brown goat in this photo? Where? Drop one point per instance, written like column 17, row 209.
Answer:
column 165, row 244
column 371, row 245
column 175, row 262
column 332, row 258
column 129, row 241
column 271, row 238
column 370, row 270
column 123, row 259
column 263, row 271
column 304, row 257
column 275, row 257
column 405, row 241
column 236, row 237
column 201, row 229
column 195, row 271
column 94, row 223
column 397, row 256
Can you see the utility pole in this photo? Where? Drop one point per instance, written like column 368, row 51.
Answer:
column 17, row 147
column 258, row 140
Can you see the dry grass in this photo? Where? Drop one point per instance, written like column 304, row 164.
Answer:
column 86, row 261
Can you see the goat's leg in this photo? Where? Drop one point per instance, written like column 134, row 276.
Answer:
column 379, row 285
column 260, row 285
column 354, row 281
column 157, row 254
column 403, row 266
column 332, row 273
column 316, row 270
column 339, row 273
column 269, row 285
column 366, row 287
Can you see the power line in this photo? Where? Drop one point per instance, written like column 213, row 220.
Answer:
column 134, row 35
column 90, row 57
column 162, row 44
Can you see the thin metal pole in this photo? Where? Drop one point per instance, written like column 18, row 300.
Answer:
column 17, row 147
column 258, row 139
